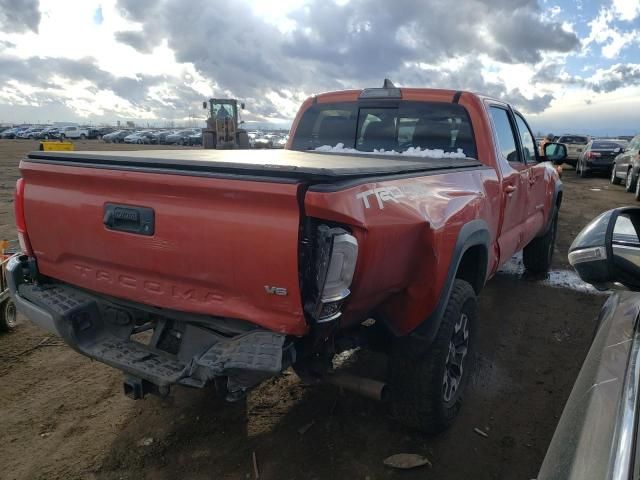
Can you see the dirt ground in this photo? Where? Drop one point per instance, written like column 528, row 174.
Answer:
column 63, row 416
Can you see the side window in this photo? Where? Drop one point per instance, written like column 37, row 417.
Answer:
column 526, row 140
column 504, row 132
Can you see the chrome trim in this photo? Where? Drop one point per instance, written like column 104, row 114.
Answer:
column 624, row 447
column 341, row 296
column 333, row 317
column 587, row 255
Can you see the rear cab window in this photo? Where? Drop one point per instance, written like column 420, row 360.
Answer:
column 398, row 127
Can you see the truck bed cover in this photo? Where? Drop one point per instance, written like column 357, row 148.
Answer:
column 263, row 163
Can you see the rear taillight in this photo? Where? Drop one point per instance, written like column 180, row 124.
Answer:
column 335, row 255
column 594, row 154
column 21, row 224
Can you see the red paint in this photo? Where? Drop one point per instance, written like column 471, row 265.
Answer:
column 218, row 243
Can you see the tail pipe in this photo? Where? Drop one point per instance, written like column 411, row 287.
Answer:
column 362, row 386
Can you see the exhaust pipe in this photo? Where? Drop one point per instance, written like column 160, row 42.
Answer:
column 362, row 386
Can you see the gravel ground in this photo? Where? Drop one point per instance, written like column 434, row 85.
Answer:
column 64, row 416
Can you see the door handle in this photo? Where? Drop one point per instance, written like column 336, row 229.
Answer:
column 510, row 189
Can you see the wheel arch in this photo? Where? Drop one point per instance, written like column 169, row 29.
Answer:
column 469, row 262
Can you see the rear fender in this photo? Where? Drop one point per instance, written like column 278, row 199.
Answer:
column 473, row 233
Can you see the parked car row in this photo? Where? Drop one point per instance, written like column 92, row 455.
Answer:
column 258, row 139
column 48, row 132
column 189, row 136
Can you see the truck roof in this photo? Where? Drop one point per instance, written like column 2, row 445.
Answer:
column 270, row 163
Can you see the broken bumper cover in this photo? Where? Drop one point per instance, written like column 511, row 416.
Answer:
column 88, row 324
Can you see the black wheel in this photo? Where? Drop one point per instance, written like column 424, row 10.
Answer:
column 182, row 142
column 537, row 255
column 629, row 181
column 583, row 171
column 578, row 168
column 636, row 194
column 7, row 315
column 83, row 136
column 46, row 137
column 62, row 136
column 427, row 384
column 614, row 179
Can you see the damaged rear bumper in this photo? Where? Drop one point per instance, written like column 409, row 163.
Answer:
column 190, row 353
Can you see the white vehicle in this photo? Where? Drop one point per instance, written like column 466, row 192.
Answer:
column 74, row 132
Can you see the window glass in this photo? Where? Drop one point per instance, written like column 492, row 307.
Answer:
column 605, row 145
column 635, row 143
column 427, row 125
column 526, row 140
column 573, row 140
column 506, row 139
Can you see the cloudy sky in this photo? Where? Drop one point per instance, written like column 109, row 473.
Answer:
column 571, row 65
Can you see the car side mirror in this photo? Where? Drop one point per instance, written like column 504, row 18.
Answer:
column 607, row 251
column 242, row 106
column 555, row 152
column 204, row 105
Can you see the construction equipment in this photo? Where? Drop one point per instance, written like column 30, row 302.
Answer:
column 222, row 131
column 64, row 146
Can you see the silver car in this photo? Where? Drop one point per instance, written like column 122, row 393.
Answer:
column 596, row 437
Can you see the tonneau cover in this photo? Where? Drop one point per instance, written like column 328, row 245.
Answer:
column 272, row 163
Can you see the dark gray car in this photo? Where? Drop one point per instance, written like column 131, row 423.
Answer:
column 626, row 166
column 598, row 156
column 596, row 437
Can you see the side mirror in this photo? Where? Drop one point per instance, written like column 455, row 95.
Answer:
column 555, row 152
column 607, row 250
column 204, row 105
column 242, row 105
column 241, row 122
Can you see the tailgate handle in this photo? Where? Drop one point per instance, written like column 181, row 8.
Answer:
column 130, row 219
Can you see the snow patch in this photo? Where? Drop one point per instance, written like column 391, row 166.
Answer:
column 410, row 152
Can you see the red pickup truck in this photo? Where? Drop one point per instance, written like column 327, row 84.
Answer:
column 377, row 227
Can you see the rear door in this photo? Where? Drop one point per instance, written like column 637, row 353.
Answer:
column 515, row 181
column 537, row 188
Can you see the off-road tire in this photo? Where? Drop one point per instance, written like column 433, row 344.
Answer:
column 8, row 315
column 614, row 179
column 417, row 372
column 629, row 184
column 538, row 254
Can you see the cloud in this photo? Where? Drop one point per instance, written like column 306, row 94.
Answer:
column 338, row 45
column 18, row 16
column 468, row 76
column 615, row 77
column 627, row 10
column 604, row 80
column 611, row 39
column 158, row 96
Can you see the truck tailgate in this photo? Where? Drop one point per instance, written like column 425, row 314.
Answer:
column 215, row 246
